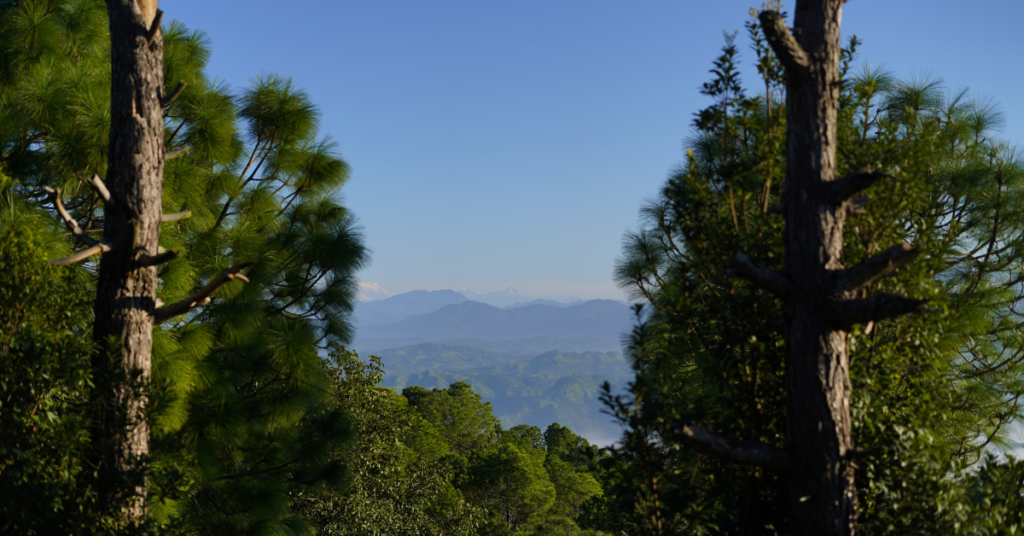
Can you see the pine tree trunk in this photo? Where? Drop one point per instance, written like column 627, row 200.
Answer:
column 126, row 292
column 819, row 428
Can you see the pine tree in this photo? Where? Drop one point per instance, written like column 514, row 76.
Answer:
column 238, row 398
column 927, row 393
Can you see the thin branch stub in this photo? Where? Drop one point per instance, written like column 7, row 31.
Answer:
column 848, row 313
column 837, row 191
column 857, row 206
column 202, row 296
column 154, row 28
column 758, row 454
column 176, row 216
column 763, row 277
column 785, row 46
column 870, row 270
column 81, row 255
column 175, row 154
column 68, row 220
column 97, row 183
column 144, row 259
column 166, row 100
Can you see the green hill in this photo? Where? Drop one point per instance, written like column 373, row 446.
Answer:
column 553, row 387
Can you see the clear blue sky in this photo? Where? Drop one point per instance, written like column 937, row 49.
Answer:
column 511, row 143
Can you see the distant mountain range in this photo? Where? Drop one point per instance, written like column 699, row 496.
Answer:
column 396, row 308
column 510, row 297
column 515, row 350
column 498, row 298
column 552, row 303
column 595, row 319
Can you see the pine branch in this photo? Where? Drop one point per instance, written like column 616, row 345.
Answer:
column 766, row 278
column 154, row 28
column 68, row 220
column 848, row 313
column 175, row 154
column 176, row 216
column 789, row 52
column 143, row 259
column 81, row 255
column 202, row 296
column 754, row 453
column 97, row 183
column 837, row 191
column 870, row 270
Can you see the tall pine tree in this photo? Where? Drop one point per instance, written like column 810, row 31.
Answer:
column 929, row 393
column 239, row 412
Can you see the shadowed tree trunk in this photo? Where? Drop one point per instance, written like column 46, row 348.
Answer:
column 126, row 289
column 818, row 292
column 818, row 425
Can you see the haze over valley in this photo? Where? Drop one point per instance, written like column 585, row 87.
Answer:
column 536, row 360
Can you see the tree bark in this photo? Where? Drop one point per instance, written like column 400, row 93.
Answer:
column 126, row 290
column 818, row 424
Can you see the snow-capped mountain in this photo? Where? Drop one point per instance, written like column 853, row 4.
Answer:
column 371, row 292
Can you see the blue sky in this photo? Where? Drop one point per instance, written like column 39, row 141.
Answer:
column 511, row 143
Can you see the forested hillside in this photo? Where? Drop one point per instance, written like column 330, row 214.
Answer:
column 553, row 387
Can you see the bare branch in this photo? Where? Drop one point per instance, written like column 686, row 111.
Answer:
column 154, row 27
column 845, row 314
column 68, row 220
column 872, row 269
column 175, row 154
column 202, row 296
column 166, row 100
column 766, row 278
column 176, row 216
column 100, row 188
column 789, row 52
column 864, row 453
column 773, row 458
column 857, row 206
column 144, row 259
column 843, row 188
column 81, row 255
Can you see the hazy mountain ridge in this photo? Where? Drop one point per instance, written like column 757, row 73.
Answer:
column 595, row 319
column 516, row 349
column 397, row 308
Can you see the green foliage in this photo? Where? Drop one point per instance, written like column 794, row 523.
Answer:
column 931, row 392
column 461, row 418
column 392, row 489
column 562, row 526
column 44, row 378
column 511, row 482
column 514, row 476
